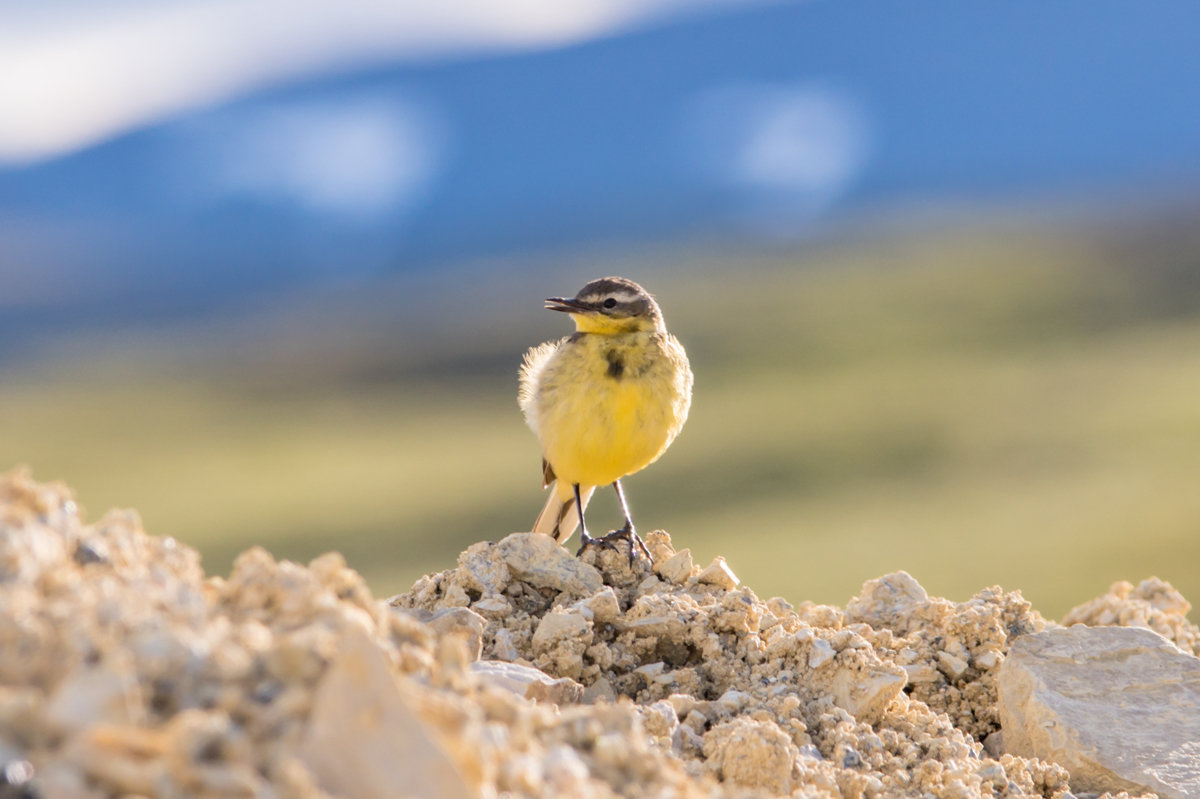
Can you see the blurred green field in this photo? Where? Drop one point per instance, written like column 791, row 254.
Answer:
column 1017, row 406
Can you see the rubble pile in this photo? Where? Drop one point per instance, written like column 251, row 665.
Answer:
column 523, row 671
column 892, row 695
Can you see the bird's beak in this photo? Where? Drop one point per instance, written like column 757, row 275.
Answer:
column 567, row 305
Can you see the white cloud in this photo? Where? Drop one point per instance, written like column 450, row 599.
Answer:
column 72, row 73
column 790, row 150
column 354, row 156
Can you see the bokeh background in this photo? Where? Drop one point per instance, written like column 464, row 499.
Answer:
column 267, row 271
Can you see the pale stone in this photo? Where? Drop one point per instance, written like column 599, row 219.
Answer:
column 719, row 574
column 464, row 622
column 682, row 704
column 752, row 754
column 363, row 738
column 456, row 596
column 667, row 677
column 921, row 673
column 780, row 642
column 512, row 677
column 951, row 665
column 887, row 602
column 493, row 606
column 820, row 654
column 732, row 701
column 538, row 560
column 528, row 682
column 563, row 691
column 994, row 744
column 505, row 647
column 1119, row 707
column 659, row 544
column 654, row 626
column 483, row 569
column 604, row 606
column 866, row 693
column 650, row 585
column 453, row 621
column 600, row 691
column 559, row 624
column 454, row 652
column 677, row 568
column 659, row 719
column 993, row 772
column 650, row 670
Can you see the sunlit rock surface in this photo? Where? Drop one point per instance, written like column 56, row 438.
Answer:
column 1118, row 706
column 523, row 671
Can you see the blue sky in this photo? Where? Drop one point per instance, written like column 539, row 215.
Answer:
column 252, row 151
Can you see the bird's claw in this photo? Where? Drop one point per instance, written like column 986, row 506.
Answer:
column 587, row 541
column 629, row 534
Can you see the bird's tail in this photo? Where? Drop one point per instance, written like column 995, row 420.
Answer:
column 559, row 518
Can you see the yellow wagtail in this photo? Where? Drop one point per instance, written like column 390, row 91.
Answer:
column 604, row 402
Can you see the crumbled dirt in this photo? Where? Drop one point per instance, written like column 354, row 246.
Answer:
column 523, row 672
column 893, row 695
column 1153, row 604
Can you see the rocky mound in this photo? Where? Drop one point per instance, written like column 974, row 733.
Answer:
column 523, row 671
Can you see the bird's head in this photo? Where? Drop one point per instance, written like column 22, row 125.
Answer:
column 610, row 305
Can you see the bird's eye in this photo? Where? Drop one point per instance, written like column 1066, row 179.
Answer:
column 610, row 303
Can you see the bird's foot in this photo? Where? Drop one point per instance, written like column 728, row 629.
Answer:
column 587, row 541
column 635, row 542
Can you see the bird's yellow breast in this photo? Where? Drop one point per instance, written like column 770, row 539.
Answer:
column 608, row 406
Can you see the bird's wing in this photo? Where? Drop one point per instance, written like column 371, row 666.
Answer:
column 548, row 475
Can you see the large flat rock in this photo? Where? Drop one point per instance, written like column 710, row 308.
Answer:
column 542, row 562
column 366, row 740
column 1119, row 707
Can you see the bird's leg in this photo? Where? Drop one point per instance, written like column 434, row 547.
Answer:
column 585, row 539
column 627, row 532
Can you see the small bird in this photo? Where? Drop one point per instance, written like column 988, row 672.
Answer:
column 605, row 402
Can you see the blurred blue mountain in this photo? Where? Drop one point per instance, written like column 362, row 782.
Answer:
column 769, row 122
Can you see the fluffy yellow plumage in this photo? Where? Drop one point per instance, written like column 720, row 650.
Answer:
column 605, row 402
